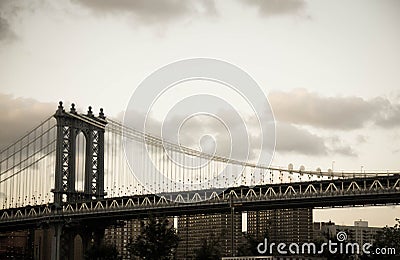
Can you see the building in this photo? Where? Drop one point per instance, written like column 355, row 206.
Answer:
column 324, row 230
column 360, row 232
column 259, row 222
column 282, row 225
column 225, row 230
column 192, row 231
column 121, row 234
column 16, row 245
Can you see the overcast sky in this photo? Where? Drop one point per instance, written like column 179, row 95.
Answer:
column 329, row 68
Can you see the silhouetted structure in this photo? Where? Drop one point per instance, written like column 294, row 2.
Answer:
column 77, row 217
column 69, row 125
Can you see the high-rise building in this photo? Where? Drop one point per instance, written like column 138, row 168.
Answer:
column 222, row 229
column 259, row 222
column 361, row 232
column 282, row 225
column 16, row 245
column 225, row 230
column 121, row 234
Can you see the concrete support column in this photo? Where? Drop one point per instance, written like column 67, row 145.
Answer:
column 56, row 242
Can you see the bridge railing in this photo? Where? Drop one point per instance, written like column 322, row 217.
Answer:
column 328, row 193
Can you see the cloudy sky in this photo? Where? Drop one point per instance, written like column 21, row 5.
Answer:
column 330, row 69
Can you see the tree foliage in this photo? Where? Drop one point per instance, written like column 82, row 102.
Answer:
column 209, row 250
column 157, row 241
column 102, row 252
column 389, row 237
column 249, row 246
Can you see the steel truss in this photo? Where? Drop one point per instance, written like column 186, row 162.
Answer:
column 327, row 193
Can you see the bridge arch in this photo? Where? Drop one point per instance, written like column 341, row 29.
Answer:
column 78, row 247
column 80, row 160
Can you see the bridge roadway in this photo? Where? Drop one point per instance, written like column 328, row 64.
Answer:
column 373, row 190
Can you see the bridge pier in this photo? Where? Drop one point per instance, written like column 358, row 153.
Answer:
column 64, row 240
column 56, row 242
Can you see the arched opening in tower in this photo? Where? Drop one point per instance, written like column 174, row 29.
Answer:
column 80, row 162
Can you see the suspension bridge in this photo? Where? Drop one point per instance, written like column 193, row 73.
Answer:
column 72, row 171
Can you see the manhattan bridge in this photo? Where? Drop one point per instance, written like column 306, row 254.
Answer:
column 70, row 174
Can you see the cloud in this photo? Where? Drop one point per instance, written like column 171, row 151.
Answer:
column 345, row 113
column 12, row 11
column 294, row 139
column 290, row 138
column 389, row 117
column 222, row 134
column 6, row 33
column 345, row 150
column 150, row 11
column 336, row 145
column 277, row 7
column 19, row 115
column 361, row 139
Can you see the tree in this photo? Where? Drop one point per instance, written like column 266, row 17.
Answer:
column 157, row 240
column 209, row 249
column 329, row 256
column 102, row 252
column 389, row 237
column 251, row 241
column 249, row 247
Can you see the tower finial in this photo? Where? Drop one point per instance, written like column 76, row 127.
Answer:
column 60, row 108
column 72, row 110
column 101, row 114
column 90, row 113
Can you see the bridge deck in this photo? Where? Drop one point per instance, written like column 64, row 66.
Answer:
column 377, row 190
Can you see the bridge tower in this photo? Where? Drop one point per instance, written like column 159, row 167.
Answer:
column 69, row 125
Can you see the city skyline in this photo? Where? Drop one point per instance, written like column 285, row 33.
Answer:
column 328, row 68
